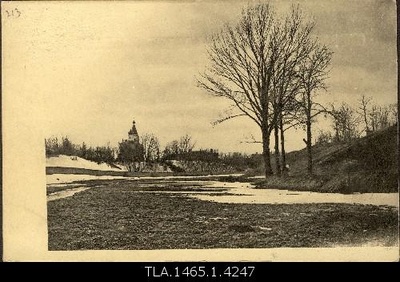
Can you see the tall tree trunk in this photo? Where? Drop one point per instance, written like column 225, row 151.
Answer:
column 277, row 156
column 309, row 137
column 367, row 131
column 309, row 148
column 266, row 151
column 283, row 152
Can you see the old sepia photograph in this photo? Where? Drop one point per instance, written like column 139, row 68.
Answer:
column 200, row 130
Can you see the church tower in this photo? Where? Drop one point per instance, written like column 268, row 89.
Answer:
column 132, row 134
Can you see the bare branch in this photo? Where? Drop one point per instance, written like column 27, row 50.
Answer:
column 218, row 121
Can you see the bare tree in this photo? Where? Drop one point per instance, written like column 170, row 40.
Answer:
column 297, row 45
column 186, row 144
column 312, row 74
column 363, row 108
column 394, row 117
column 251, row 60
column 151, row 147
column 178, row 147
column 171, row 149
column 324, row 137
column 384, row 117
column 345, row 123
column 380, row 117
column 288, row 119
column 52, row 146
column 376, row 117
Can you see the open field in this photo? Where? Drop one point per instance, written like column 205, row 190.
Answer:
column 161, row 215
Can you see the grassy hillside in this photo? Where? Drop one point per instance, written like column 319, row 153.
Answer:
column 368, row 164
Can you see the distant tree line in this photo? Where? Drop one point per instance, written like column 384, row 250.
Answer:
column 176, row 149
column 148, row 151
column 64, row 146
column 349, row 123
column 242, row 161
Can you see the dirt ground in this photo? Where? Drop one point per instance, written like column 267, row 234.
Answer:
column 136, row 215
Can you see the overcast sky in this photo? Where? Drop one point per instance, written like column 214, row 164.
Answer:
column 94, row 66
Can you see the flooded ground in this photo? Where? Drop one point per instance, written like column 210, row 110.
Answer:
column 223, row 192
column 202, row 213
column 246, row 194
column 53, row 179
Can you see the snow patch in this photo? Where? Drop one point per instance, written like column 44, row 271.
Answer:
column 65, row 193
column 244, row 193
column 77, row 162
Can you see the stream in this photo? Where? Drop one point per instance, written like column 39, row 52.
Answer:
column 238, row 192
